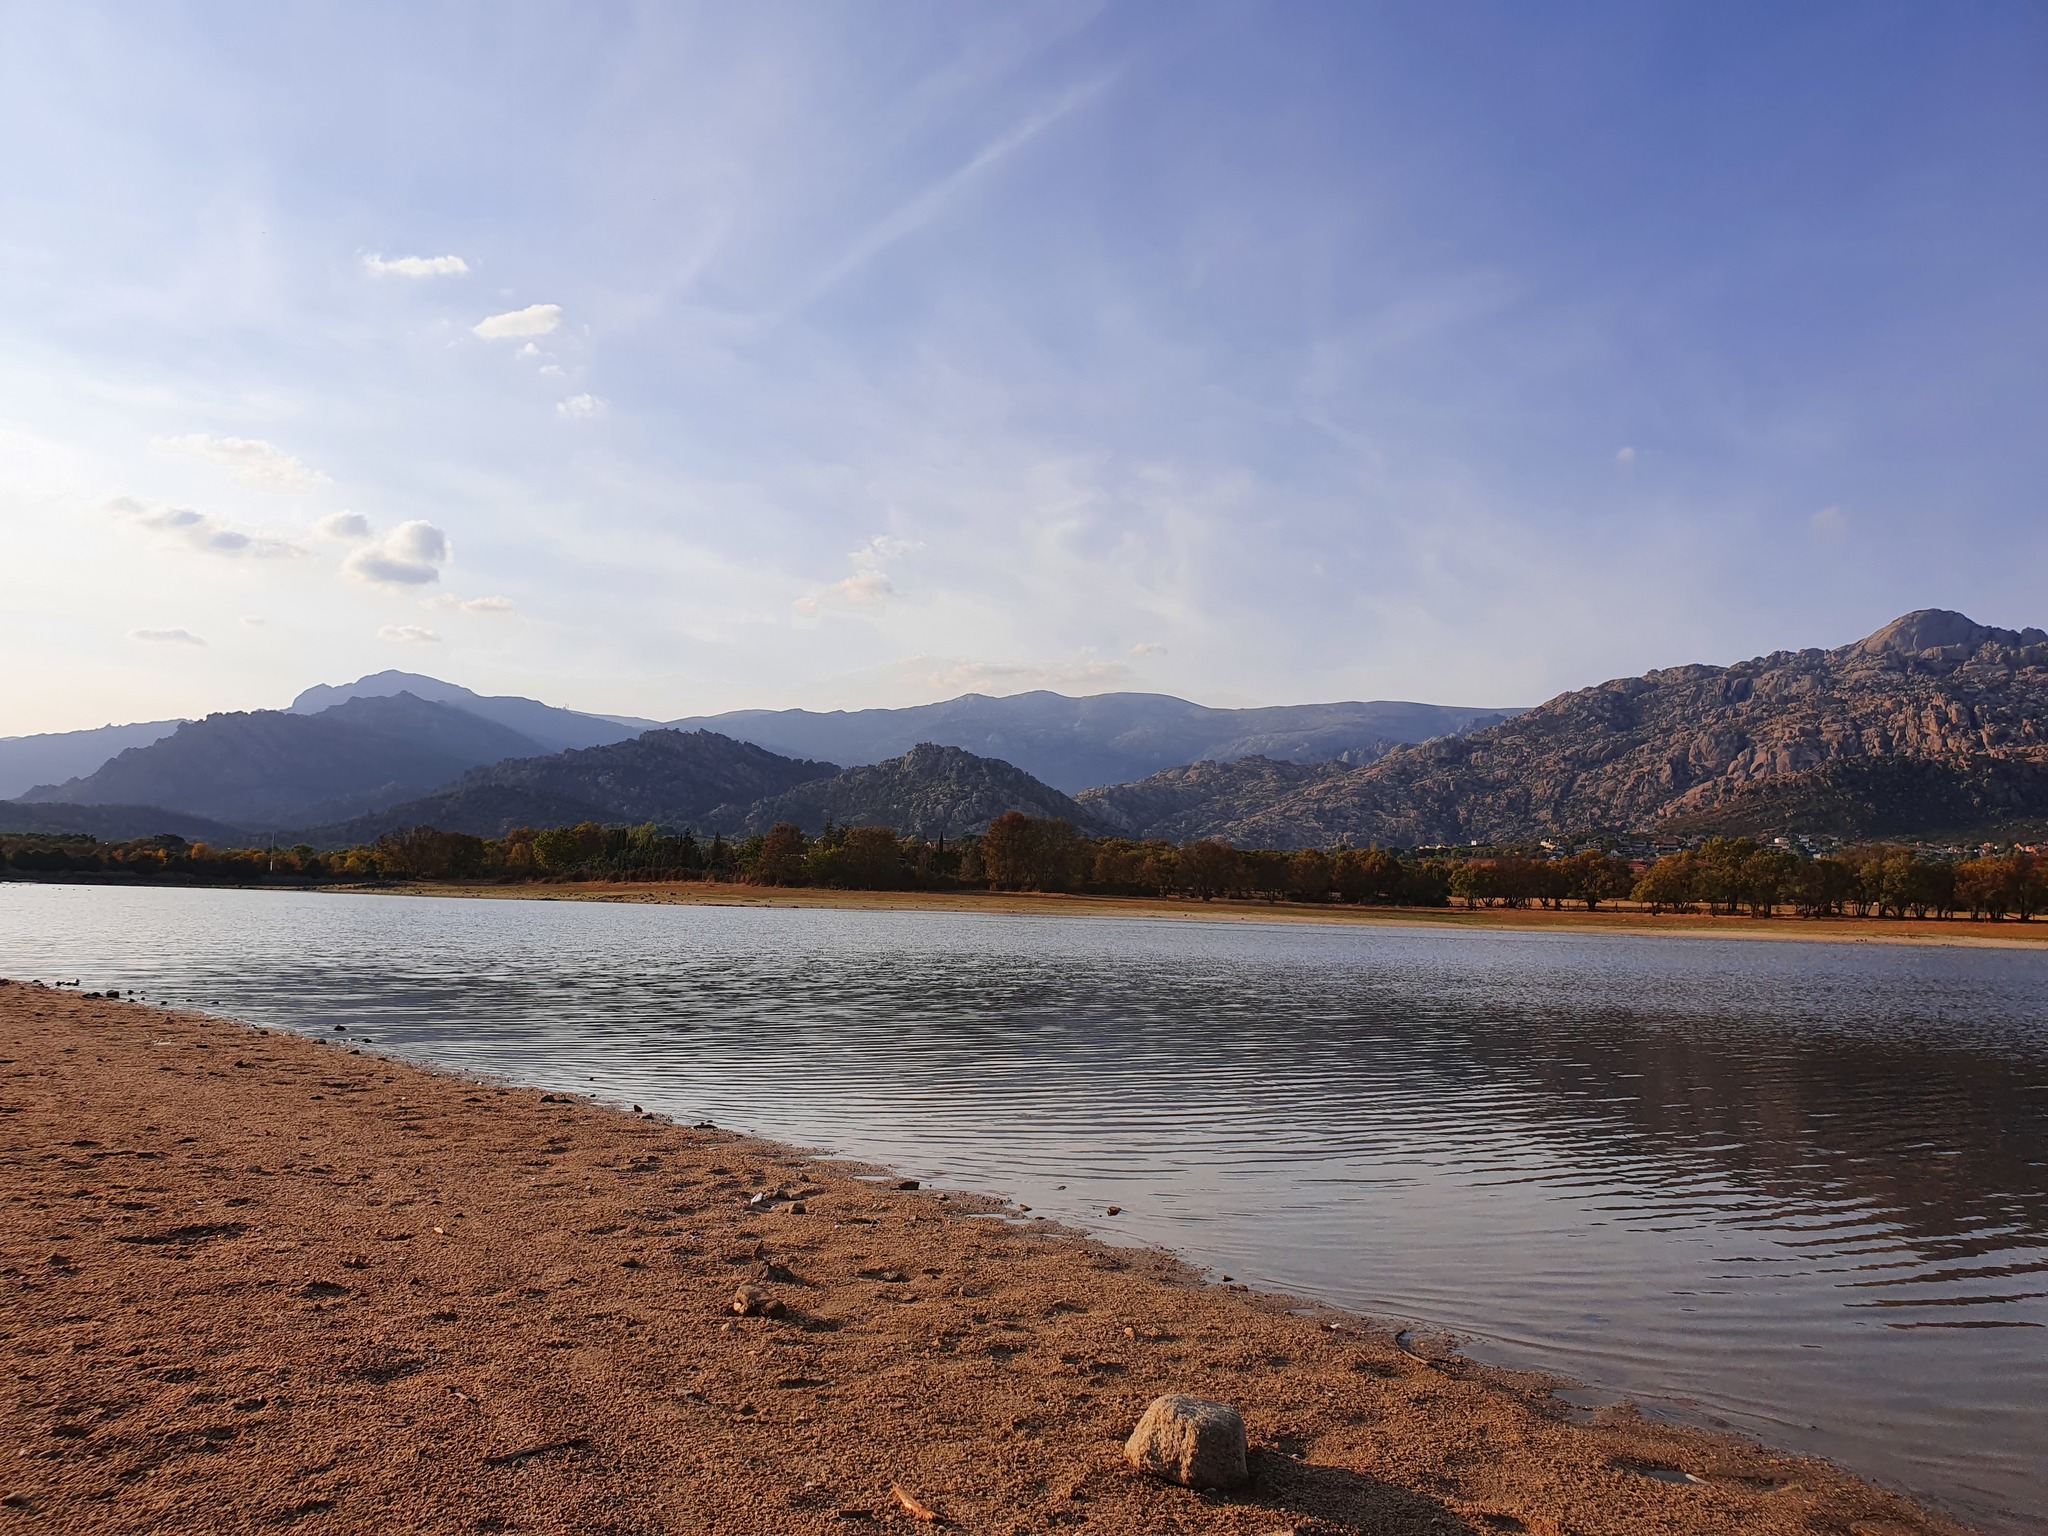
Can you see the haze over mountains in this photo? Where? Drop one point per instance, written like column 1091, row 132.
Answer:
column 1933, row 726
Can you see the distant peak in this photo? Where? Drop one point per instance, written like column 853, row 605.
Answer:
column 1934, row 629
column 379, row 684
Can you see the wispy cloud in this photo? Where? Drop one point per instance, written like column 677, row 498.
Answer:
column 579, row 407
column 410, row 555
column 202, row 531
column 958, row 675
column 922, row 209
column 416, row 266
column 534, row 320
column 494, row 606
column 1830, row 525
column 407, row 634
column 259, row 465
column 165, row 636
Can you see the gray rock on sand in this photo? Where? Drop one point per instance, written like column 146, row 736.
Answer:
column 1190, row 1441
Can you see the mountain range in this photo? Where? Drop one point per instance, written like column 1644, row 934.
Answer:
column 1107, row 738
column 1934, row 726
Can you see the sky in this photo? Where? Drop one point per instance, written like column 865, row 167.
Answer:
column 668, row 359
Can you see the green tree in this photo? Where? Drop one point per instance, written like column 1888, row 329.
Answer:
column 779, row 860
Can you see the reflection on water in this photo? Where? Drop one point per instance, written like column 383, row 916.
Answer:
column 1799, row 1188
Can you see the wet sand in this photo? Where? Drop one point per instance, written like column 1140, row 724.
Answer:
column 256, row 1282
column 1610, row 920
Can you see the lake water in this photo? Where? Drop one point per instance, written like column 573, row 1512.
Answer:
column 1800, row 1189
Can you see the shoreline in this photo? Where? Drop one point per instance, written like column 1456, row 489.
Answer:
column 1957, row 933
column 260, row 1277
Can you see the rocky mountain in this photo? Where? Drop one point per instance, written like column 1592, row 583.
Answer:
column 1193, row 801
column 1109, row 738
column 1933, row 724
column 26, row 761
column 271, row 768
column 673, row 778
column 551, row 729
column 930, row 792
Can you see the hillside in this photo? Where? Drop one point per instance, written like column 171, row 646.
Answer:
column 26, row 761
column 120, row 823
column 929, row 792
column 1111, row 738
column 1200, row 799
column 271, row 768
column 673, row 778
column 1782, row 742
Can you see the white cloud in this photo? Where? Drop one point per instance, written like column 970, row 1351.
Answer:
column 408, row 556
column 407, row 634
column 867, row 587
column 1624, row 455
column 166, row 636
column 1830, row 524
column 579, row 407
column 259, row 465
column 863, row 589
column 881, row 548
column 416, row 266
column 495, row 606
column 253, row 620
column 534, row 320
column 200, row 531
column 343, row 527
column 1146, row 648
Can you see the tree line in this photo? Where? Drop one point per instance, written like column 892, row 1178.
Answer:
column 1023, row 853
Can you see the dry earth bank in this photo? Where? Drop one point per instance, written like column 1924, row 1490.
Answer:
column 255, row 1282
column 1615, row 920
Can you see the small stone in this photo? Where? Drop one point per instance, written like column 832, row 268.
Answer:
column 1190, row 1441
column 750, row 1302
column 1116, row 1210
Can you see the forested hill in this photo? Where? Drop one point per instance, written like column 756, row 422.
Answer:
column 672, row 778
column 1762, row 745
column 929, row 792
column 271, row 768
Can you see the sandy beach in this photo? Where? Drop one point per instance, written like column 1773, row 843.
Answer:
column 261, row 1282
column 1611, row 920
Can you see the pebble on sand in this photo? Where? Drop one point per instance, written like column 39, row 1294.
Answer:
column 1190, row 1441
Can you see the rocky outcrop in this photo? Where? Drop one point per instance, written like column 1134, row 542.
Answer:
column 1688, row 742
column 1190, row 802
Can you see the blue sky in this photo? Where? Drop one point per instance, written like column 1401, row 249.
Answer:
column 663, row 359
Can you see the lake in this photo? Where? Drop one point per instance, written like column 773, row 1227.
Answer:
column 1799, row 1189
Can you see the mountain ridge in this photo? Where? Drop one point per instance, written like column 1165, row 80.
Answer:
column 261, row 768
column 1678, row 742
